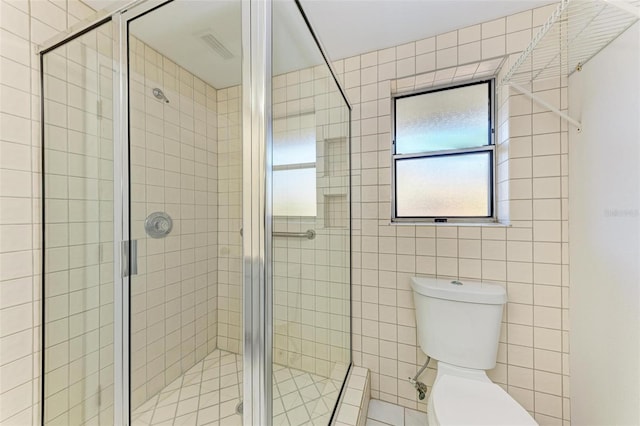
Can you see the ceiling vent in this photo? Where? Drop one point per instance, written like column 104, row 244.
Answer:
column 216, row 45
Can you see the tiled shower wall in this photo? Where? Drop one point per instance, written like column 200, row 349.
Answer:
column 229, row 199
column 529, row 257
column 23, row 25
column 173, row 170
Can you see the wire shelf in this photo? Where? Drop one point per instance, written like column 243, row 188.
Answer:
column 575, row 32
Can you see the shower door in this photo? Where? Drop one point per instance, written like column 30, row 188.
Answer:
column 196, row 250
column 184, row 80
column 311, row 225
column 80, row 319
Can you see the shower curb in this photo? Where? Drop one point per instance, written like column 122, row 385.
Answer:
column 355, row 402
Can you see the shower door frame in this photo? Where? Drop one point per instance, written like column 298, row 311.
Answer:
column 257, row 189
column 257, row 284
column 256, row 107
column 256, row 128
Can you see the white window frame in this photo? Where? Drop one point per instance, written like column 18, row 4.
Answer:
column 490, row 147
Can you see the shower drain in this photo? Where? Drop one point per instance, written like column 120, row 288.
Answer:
column 239, row 408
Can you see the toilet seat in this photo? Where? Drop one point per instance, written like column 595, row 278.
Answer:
column 463, row 401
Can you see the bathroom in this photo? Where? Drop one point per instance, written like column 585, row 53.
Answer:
column 207, row 214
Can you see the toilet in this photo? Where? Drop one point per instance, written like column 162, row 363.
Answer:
column 458, row 324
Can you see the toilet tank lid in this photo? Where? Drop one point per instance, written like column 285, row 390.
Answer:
column 460, row 290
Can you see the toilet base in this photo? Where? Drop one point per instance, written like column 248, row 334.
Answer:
column 471, row 391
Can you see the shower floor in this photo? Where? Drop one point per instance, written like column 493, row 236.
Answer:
column 208, row 393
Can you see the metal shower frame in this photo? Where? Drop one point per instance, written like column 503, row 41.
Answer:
column 257, row 181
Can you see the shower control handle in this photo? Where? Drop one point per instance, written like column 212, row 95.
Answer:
column 158, row 225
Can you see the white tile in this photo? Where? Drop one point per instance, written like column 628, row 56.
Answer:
column 386, row 413
column 371, row 422
column 447, row 40
column 469, row 34
column 414, row 418
column 493, row 28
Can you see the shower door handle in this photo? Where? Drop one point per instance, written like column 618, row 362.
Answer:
column 134, row 258
column 129, row 258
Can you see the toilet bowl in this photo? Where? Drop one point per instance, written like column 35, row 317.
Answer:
column 459, row 325
column 467, row 398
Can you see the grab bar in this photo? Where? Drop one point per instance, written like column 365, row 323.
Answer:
column 310, row 234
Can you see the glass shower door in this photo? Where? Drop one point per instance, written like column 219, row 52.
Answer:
column 78, row 216
column 184, row 87
column 158, row 143
column 311, row 226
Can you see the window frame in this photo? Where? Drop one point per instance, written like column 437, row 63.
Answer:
column 490, row 147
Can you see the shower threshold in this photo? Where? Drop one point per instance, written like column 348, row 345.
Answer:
column 209, row 393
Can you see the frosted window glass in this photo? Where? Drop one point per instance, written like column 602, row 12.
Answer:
column 294, row 140
column 447, row 119
column 445, row 186
column 294, row 192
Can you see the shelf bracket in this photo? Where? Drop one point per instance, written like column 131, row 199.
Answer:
column 623, row 5
column 546, row 104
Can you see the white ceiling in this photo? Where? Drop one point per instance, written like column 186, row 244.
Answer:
column 351, row 27
column 345, row 27
column 174, row 30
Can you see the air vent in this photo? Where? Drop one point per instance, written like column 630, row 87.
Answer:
column 216, row 45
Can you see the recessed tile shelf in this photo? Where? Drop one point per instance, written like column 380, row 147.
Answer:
column 336, row 211
column 336, row 162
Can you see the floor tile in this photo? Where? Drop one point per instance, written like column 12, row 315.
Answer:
column 371, row 422
column 187, row 406
column 187, row 420
column 164, row 413
column 386, row 413
column 234, row 420
column 208, row 415
column 414, row 418
column 298, row 416
column 208, row 393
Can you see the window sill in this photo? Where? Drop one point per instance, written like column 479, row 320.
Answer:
column 457, row 224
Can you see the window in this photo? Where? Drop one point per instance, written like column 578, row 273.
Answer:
column 443, row 155
column 294, row 165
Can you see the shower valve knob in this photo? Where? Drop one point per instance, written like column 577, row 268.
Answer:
column 158, row 225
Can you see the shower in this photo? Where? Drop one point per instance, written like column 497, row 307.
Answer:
column 156, row 308
column 159, row 94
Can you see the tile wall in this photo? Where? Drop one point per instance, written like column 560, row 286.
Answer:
column 23, row 25
column 229, row 219
column 529, row 257
column 173, row 170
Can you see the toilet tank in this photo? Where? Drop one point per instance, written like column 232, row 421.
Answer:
column 458, row 322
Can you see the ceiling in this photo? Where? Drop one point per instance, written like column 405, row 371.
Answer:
column 345, row 27
column 176, row 30
column 376, row 24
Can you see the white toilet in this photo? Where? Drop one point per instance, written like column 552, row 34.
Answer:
column 459, row 325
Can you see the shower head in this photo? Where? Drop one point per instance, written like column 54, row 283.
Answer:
column 160, row 95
